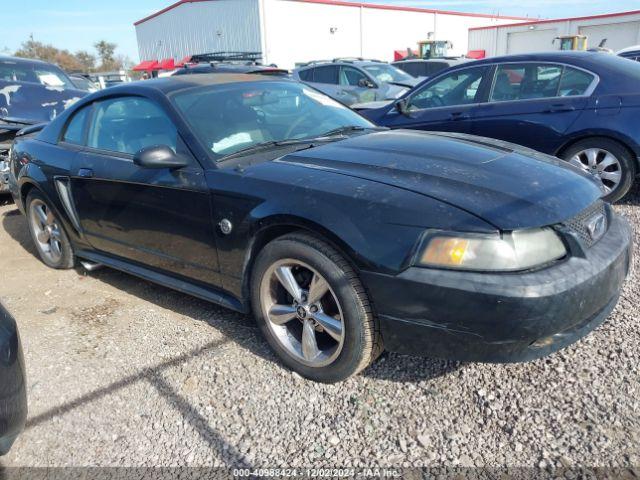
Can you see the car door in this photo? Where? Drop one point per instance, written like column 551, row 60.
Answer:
column 355, row 86
column 533, row 104
column 157, row 217
column 446, row 103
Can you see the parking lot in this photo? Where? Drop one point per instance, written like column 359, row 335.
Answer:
column 122, row 372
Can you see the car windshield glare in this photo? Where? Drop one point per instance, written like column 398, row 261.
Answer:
column 234, row 117
column 43, row 74
column 387, row 73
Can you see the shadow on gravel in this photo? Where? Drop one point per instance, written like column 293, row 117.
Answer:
column 409, row 369
column 15, row 224
column 154, row 376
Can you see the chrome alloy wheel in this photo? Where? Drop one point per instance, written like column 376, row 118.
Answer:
column 602, row 164
column 302, row 312
column 46, row 230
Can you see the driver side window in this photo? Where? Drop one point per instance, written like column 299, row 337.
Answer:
column 457, row 88
column 351, row 77
column 128, row 124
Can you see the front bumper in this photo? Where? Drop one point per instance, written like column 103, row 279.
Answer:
column 513, row 317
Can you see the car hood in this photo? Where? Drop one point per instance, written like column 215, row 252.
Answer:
column 409, row 82
column 508, row 186
column 34, row 103
column 371, row 105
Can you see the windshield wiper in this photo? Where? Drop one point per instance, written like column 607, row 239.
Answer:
column 258, row 147
column 343, row 130
column 324, row 137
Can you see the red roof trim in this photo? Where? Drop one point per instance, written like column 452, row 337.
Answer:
column 147, row 65
column 351, row 4
column 589, row 17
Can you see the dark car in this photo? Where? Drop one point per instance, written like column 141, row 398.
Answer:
column 13, row 393
column 261, row 193
column 215, row 67
column 31, row 92
column 423, row 68
column 580, row 106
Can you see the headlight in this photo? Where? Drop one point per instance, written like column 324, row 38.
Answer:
column 518, row 250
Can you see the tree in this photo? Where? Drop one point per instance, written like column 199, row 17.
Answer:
column 48, row 53
column 82, row 60
column 106, row 51
column 86, row 59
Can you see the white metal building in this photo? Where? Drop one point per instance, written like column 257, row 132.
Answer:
column 292, row 31
column 620, row 29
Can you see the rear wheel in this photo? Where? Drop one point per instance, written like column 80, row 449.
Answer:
column 313, row 310
column 52, row 243
column 608, row 161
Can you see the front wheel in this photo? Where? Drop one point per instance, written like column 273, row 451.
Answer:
column 608, row 161
column 313, row 310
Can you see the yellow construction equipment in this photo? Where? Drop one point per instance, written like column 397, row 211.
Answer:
column 434, row 48
column 572, row 42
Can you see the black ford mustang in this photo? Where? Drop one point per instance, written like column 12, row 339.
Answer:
column 262, row 193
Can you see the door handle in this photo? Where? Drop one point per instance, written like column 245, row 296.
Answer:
column 560, row 108
column 459, row 116
column 85, row 173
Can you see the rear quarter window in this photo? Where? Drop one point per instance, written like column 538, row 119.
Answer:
column 306, row 75
column 75, row 130
column 574, row 82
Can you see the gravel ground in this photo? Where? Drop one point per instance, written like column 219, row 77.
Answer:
column 122, row 372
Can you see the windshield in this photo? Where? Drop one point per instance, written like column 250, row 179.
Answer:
column 231, row 117
column 387, row 73
column 82, row 83
column 46, row 75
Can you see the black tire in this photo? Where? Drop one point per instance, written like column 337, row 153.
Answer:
column 362, row 340
column 627, row 162
column 67, row 257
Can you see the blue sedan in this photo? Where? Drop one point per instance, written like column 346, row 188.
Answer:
column 580, row 106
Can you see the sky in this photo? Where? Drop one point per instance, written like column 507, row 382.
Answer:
column 78, row 24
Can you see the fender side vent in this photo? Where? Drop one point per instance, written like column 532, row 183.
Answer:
column 64, row 191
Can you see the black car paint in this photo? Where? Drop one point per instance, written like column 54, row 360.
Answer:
column 13, row 393
column 372, row 196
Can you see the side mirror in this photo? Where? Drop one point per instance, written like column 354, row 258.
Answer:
column 365, row 83
column 159, row 156
column 402, row 106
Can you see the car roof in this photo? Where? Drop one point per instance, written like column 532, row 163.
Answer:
column 23, row 61
column 173, row 83
column 566, row 56
column 358, row 62
column 634, row 48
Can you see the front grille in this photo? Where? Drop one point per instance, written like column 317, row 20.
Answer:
column 579, row 224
